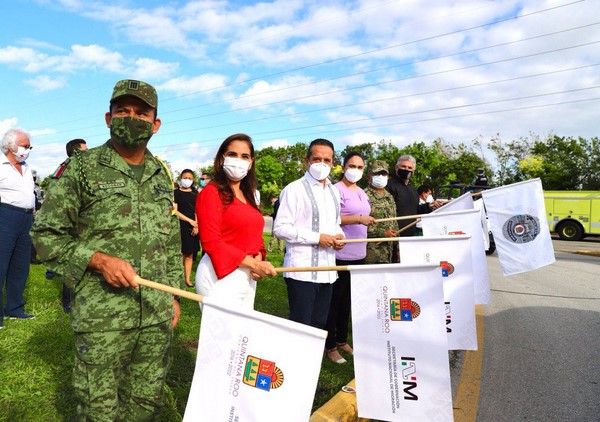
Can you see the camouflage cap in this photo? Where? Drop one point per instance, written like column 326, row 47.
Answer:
column 379, row 165
column 138, row 89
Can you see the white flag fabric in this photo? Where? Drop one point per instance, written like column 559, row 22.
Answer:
column 463, row 202
column 518, row 219
column 453, row 253
column 467, row 222
column 466, row 202
column 248, row 370
column 400, row 345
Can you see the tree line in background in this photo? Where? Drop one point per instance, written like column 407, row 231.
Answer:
column 562, row 163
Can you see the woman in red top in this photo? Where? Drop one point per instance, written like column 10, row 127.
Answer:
column 231, row 227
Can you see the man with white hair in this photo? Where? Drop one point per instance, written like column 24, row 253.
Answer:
column 406, row 196
column 17, row 203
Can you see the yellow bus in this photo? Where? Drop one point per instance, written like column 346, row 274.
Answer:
column 573, row 214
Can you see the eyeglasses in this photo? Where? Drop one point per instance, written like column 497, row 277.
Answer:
column 29, row 147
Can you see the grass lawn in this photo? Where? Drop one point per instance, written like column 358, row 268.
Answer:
column 36, row 356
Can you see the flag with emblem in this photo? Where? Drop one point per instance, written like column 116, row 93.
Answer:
column 517, row 217
column 400, row 344
column 467, row 202
column 453, row 255
column 468, row 222
column 247, row 371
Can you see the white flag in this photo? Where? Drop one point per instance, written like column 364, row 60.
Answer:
column 467, row 222
column 400, row 345
column 253, row 367
column 453, row 253
column 466, row 202
column 463, row 202
column 518, row 218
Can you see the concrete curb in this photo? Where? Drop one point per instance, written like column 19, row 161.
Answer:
column 579, row 252
column 340, row 408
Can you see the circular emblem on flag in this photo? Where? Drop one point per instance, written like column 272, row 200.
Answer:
column 415, row 308
column 277, row 379
column 521, row 228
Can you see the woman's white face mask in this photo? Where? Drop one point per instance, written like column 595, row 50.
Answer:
column 353, row 175
column 236, row 168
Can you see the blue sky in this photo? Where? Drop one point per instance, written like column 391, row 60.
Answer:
column 290, row 71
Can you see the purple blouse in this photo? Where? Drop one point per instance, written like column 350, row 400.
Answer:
column 353, row 202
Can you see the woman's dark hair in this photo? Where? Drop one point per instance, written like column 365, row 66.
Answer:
column 350, row 155
column 248, row 185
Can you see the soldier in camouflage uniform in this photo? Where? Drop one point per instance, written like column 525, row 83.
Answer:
column 382, row 206
column 105, row 220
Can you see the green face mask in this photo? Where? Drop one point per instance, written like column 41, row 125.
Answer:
column 130, row 132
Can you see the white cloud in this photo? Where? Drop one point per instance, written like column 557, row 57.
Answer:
column 152, row 69
column 7, row 124
column 185, row 85
column 40, row 45
column 45, row 83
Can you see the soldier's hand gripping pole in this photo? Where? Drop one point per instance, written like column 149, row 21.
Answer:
column 169, row 289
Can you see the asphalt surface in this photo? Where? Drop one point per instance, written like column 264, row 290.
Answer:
column 541, row 359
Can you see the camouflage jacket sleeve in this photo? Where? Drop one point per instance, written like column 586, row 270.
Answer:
column 54, row 230
column 97, row 206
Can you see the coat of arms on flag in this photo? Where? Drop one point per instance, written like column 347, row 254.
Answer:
column 262, row 373
column 404, row 309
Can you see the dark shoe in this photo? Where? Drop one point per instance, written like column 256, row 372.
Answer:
column 67, row 308
column 49, row 275
column 21, row 316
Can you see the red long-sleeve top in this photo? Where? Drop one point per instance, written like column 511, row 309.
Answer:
column 228, row 233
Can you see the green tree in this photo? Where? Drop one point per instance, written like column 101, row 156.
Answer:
column 508, row 156
column 269, row 172
column 568, row 163
column 463, row 163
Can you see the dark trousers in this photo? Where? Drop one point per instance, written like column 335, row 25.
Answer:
column 15, row 253
column 339, row 309
column 66, row 297
column 308, row 301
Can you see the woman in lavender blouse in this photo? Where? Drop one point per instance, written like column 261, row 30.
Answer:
column 354, row 209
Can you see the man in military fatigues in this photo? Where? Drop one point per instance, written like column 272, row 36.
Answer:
column 105, row 220
column 382, row 206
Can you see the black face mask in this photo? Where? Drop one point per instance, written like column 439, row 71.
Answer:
column 403, row 174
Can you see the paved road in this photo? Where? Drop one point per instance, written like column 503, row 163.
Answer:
column 541, row 358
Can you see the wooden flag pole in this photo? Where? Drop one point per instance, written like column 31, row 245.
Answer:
column 410, row 217
column 168, row 289
column 341, row 267
column 308, row 269
column 404, row 217
column 379, row 239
